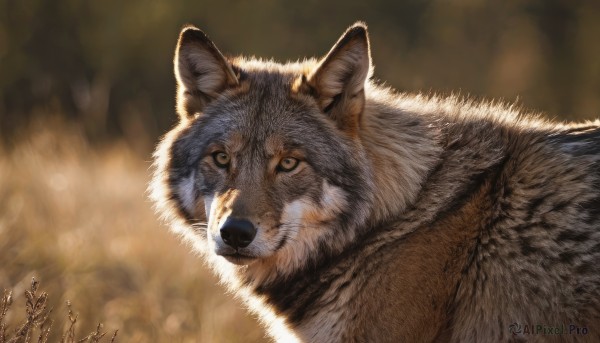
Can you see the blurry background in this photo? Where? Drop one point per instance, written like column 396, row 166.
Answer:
column 86, row 89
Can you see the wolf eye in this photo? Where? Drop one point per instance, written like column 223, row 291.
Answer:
column 287, row 164
column 221, row 159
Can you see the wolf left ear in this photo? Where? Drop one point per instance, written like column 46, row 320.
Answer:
column 201, row 71
column 338, row 81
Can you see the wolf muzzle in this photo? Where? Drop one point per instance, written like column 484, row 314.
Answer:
column 238, row 233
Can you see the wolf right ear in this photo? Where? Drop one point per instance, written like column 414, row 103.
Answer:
column 201, row 70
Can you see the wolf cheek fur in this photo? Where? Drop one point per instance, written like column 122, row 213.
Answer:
column 341, row 211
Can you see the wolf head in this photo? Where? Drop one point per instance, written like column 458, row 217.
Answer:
column 268, row 154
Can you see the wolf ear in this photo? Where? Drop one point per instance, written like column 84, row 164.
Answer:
column 338, row 81
column 201, row 71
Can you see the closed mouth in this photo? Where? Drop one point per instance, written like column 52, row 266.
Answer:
column 237, row 258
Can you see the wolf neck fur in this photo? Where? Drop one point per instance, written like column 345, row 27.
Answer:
column 402, row 148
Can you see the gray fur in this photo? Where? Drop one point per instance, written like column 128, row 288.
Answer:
column 412, row 218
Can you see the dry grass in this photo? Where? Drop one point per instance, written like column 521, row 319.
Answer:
column 78, row 220
column 38, row 322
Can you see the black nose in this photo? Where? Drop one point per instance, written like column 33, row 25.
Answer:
column 238, row 233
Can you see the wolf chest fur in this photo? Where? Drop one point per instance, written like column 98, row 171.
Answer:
column 340, row 210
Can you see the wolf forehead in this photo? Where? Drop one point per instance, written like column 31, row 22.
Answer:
column 263, row 104
column 263, row 91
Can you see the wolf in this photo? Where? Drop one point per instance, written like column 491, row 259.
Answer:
column 340, row 210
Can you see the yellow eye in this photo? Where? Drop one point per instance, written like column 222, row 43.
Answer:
column 288, row 164
column 221, row 159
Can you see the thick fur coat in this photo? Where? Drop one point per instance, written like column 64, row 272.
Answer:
column 375, row 216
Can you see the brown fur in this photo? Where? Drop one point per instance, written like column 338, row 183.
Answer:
column 408, row 217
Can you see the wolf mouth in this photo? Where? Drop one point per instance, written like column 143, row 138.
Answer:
column 240, row 259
